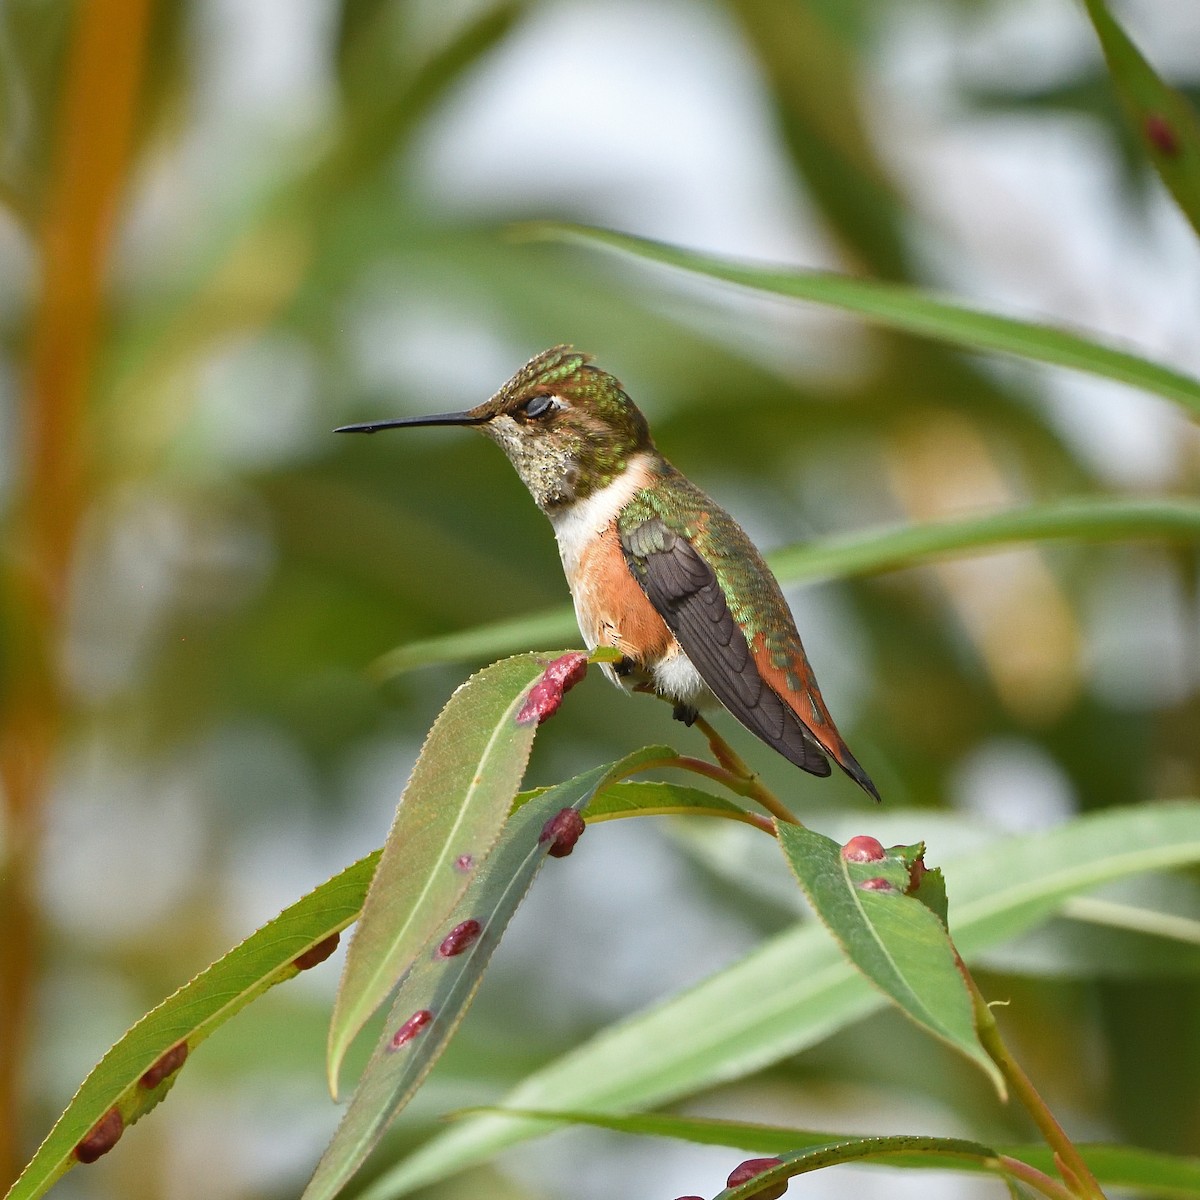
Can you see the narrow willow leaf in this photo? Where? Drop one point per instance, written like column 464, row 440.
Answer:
column 897, row 307
column 434, row 996
column 1114, row 1166
column 897, row 941
column 449, row 817
column 1165, row 122
column 191, row 1014
column 645, row 799
column 837, row 558
column 797, row 988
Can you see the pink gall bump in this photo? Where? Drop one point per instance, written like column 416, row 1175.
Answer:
column 166, row 1064
column 1161, row 135
column 459, row 938
column 318, row 953
column 863, row 849
column 876, row 885
column 563, row 830
column 103, row 1137
column 464, row 862
column 411, row 1028
column 559, row 677
column 751, row 1169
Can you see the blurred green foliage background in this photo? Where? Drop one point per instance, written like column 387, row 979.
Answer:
column 228, row 227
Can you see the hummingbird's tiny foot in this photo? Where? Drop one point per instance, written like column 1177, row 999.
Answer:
column 623, row 666
column 685, row 713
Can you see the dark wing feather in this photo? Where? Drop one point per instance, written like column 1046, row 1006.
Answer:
column 684, row 590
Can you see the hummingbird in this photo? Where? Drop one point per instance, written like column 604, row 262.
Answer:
column 656, row 569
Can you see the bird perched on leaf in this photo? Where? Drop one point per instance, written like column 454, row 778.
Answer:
column 656, row 568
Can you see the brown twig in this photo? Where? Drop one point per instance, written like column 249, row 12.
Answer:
column 749, row 783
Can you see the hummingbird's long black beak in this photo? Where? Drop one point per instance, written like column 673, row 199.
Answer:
column 454, row 418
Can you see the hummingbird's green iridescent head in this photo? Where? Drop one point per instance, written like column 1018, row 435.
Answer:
column 567, row 426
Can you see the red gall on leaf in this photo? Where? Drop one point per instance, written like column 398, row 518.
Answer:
column 563, row 830
column 876, row 885
column 459, row 938
column 166, row 1064
column 863, row 848
column 411, row 1028
column 751, row 1169
column 318, row 953
column 464, row 862
column 557, row 679
column 103, row 1137
column 1161, row 135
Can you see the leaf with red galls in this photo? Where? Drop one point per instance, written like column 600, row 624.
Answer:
column 897, row 940
column 751, row 1169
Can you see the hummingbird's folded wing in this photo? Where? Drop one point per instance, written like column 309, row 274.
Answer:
column 684, row 590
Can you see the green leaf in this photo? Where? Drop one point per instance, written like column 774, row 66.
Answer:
column 898, row 307
column 796, row 989
column 439, row 988
column 1114, row 1166
column 645, row 799
column 899, row 943
column 449, row 817
column 1165, row 122
column 191, row 1014
column 841, row 557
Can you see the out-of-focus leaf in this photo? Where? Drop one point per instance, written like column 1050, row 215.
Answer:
column 33, row 45
column 513, row 635
column 898, row 942
column 1166, row 122
column 837, row 558
column 450, row 815
column 797, row 989
column 434, row 996
column 806, row 61
column 1116, row 915
column 903, row 308
column 1114, row 1166
column 191, row 1014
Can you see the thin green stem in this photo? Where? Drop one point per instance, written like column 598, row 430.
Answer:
column 748, row 782
column 1077, row 1174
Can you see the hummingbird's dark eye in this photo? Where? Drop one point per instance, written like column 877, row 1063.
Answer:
column 538, row 406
